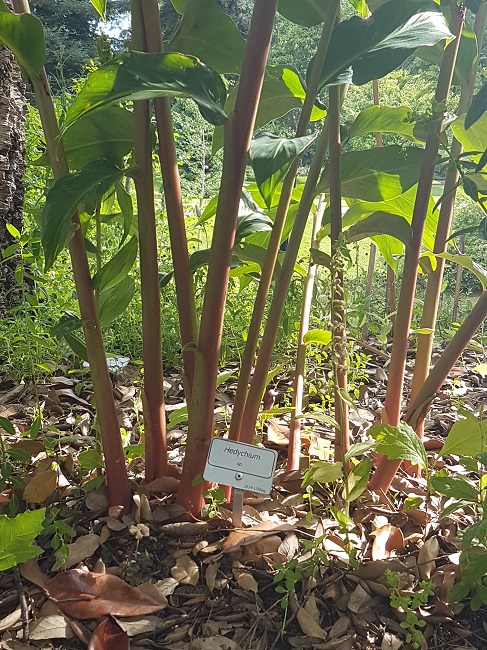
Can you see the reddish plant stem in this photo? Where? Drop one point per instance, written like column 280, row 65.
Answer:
column 116, row 473
column 276, row 234
column 385, row 472
column 435, row 279
column 238, row 133
column 153, row 391
column 183, row 277
column 339, row 341
column 294, row 449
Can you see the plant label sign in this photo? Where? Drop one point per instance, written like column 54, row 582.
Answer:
column 241, row 466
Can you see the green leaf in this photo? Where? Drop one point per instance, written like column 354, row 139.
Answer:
column 127, row 207
column 384, row 119
column 101, row 7
column 357, row 480
column 473, row 138
column 477, row 107
column 362, row 50
column 322, row 472
column 481, row 369
column 321, row 337
column 91, row 459
column 115, row 301
column 360, row 448
column 178, row 417
column 7, row 426
column 206, row 32
column 139, row 75
column 450, row 486
column 466, row 57
column 467, row 437
column 271, row 158
column 24, row 35
column 64, row 199
column 467, row 263
column 304, row 12
column 399, row 442
column 17, row 536
column 381, row 223
column 376, row 174
column 76, row 345
column 282, row 91
column 117, row 268
column 248, row 224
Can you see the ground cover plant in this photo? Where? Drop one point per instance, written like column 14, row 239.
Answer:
column 369, row 519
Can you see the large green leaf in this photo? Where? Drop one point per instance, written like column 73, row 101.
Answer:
column 117, row 268
column 101, row 7
column 282, row 91
column 139, row 75
column 467, row 437
column 466, row 57
column 207, row 32
column 361, row 50
column 381, row 223
column 473, row 138
column 63, row 200
column 477, row 107
column 385, row 119
column 17, row 536
column 399, row 442
column 468, row 263
column 115, row 301
column 24, row 35
column 271, row 158
column 376, row 174
column 304, row 12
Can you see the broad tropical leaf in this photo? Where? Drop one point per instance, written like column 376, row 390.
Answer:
column 362, row 50
column 376, row 174
column 467, row 437
column 271, row 158
column 477, row 107
column 117, row 268
column 17, row 536
column 320, row 337
column 468, row 263
column 473, row 139
column 139, row 75
column 385, row 119
column 24, row 35
column 304, row 12
column 63, row 200
column 381, row 223
column 114, row 301
column 282, row 91
column 466, row 57
column 101, row 7
column 206, row 32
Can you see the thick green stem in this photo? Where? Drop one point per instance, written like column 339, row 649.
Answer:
column 435, row 279
column 153, row 391
column 294, row 448
column 174, row 205
column 277, row 230
column 339, row 342
column 382, row 478
column 116, row 473
column 237, row 138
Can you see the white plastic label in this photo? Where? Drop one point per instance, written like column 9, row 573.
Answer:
column 241, row 466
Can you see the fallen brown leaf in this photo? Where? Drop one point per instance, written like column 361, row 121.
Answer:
column 387, row 538
column 50, row 627
column 109, row 636
column 82, row 548
column 242, row 537
column 41, row 486
column 426, row 558
column 309, row 619
column 186, row 571
column 12, row 619
column 83, row 594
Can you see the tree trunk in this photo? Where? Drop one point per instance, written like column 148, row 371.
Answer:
column 12, row 139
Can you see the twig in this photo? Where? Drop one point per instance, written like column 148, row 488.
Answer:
column 23, row 605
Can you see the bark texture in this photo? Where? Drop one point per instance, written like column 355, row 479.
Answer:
column 12, row 140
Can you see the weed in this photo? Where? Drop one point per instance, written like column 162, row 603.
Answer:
column 408, row 603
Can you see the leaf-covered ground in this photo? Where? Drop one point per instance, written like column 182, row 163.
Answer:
column 296, row 575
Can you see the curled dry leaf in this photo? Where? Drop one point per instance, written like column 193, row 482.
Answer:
column 12, row 619
column 186, row 571
column 246, row 580
column 387, row 538
column 109, row 636
column 358, row 598
column 243, row 537
column 41, row 486
column 31, row 571
column 82, row 548
column 309, row 619
column 162, row 485
column 210, row 575
column 51, row 627
column 167, row 586
column 426, row 558
column 83, row 594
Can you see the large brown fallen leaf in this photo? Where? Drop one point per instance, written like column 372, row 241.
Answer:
column 82, row 548
column 50, row 627
column 186, row 571
column 426, row 558
column 242, row 537
column 387, row 538
column 83, row 594
column 41, row 486
column 108, row 636
column 309, row 619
